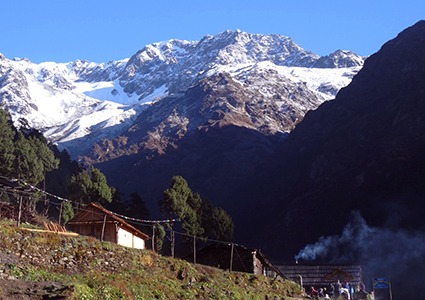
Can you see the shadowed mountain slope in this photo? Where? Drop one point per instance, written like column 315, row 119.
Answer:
column 362, row 151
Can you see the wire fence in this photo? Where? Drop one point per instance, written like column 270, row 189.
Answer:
column 234, row 257
column 182, row 246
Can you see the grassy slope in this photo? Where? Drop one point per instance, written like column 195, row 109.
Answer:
column 90, row 269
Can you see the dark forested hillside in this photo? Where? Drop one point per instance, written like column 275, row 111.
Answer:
column 214, row 161
column 364, row 151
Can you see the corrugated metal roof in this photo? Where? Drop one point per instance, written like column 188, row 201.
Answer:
column 324, row 274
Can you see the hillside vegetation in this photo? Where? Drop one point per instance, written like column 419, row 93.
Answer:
column 35, row 265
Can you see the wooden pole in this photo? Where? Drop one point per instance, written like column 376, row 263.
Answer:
column 103, row 227
column 194, row 249
column 231, row 257
column 60, row 215
column 300, row 278
column 172, row 243
column 153, row 238
column 19, row 212
column 46, row 208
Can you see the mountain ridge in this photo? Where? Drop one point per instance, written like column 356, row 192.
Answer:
column 152, row 113
column 101, row 100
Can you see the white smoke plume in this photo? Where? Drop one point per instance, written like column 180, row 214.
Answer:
column 393, row 252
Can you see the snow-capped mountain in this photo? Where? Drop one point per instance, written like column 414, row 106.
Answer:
column 79, row 103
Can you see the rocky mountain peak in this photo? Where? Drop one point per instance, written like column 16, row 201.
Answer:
column 101, row 99
column 186, row 62
column 339, row 59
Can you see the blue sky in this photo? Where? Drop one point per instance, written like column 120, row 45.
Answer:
column 99, row 31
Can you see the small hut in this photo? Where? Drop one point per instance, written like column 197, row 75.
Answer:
column 94, row 220
column 323, row 275
column 235, row 258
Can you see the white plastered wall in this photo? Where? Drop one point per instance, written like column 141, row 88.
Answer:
column 127, row 239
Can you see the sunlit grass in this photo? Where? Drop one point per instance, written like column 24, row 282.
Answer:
column 98, row 270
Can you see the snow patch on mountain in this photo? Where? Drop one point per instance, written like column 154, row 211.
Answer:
column 105, row 91
column 325, row 83
column 85, row 101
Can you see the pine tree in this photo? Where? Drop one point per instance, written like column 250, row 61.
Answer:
column 179, row 202
column 100, row 192
column 27, row 166
column 222, row 226
column 7, row 151
column 217, row 223
column 58, row 179
column 44, row 153
column 198, row 216
column 67, row 212
column 159, row 236
column 80, row 187
column 137, row 207
column 90, row 186
column 174, row 199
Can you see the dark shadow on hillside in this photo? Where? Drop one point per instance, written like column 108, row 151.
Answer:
column 214, row 162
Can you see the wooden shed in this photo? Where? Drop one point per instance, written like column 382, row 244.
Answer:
column 94, row 220
column 323, row 275
column 235, row 258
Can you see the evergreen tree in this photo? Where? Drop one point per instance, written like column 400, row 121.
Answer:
column 57, row 180
column 217, row 223
column 198, row 216
column 117, row 205
column 159, row 236
column 44, row 153
column 90, row 186
column 80, row 187
column 33, row 157
column 101, row 192
column 7, row 151
column 67, row 212
column 27, row 165
column 46, row 156
column 222, row 227
column 137, row 207
column 192, row 222
column 175, row 198
column 180, row 203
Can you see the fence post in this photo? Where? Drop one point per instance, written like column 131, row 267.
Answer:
column 172, row 243
column 194, row 249
column 60, row 216
column 103, row 227
column 19, row 212
column 231, row 257
column 153, row 238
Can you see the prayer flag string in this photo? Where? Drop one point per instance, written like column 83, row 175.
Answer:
column 82, row 204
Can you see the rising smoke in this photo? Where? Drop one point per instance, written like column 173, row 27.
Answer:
column 397, row 253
